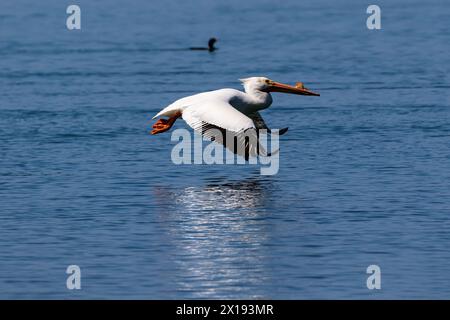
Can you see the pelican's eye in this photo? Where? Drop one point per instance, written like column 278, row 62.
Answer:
column 267, row 81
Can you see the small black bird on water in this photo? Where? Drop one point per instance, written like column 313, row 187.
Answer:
column 210, row 48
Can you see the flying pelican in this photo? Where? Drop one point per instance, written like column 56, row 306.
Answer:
column 210, row 48
column 230, row 111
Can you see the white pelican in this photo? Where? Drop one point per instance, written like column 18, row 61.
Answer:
column 230, row 111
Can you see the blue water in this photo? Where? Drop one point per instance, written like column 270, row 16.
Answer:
column 364, row 172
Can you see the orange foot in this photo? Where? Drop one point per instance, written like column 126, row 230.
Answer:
column 160, row 126
column 163, row 125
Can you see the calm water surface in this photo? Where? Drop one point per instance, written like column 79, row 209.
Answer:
column 364, row 170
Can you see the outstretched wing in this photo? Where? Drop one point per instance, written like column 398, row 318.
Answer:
column 260, row 124
column 258, row 120
column 222, row 123
column 218, row 113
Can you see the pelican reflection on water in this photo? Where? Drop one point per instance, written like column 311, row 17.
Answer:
column 219, row 234
column 232, row 195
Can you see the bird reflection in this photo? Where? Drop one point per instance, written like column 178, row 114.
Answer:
column 232, row 195
column 219, row 233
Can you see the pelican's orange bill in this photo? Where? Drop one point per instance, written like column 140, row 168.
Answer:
column 298, row 89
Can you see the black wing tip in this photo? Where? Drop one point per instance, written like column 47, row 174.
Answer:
column 283, row 131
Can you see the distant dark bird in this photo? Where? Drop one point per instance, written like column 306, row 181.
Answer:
column 210, row 48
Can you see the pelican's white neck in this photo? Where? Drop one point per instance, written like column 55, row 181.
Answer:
column 258, row 99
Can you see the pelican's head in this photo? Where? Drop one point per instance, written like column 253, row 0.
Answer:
column 266, row 85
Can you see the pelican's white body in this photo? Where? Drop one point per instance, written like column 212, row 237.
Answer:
column 225, row 108
column 244, row 102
